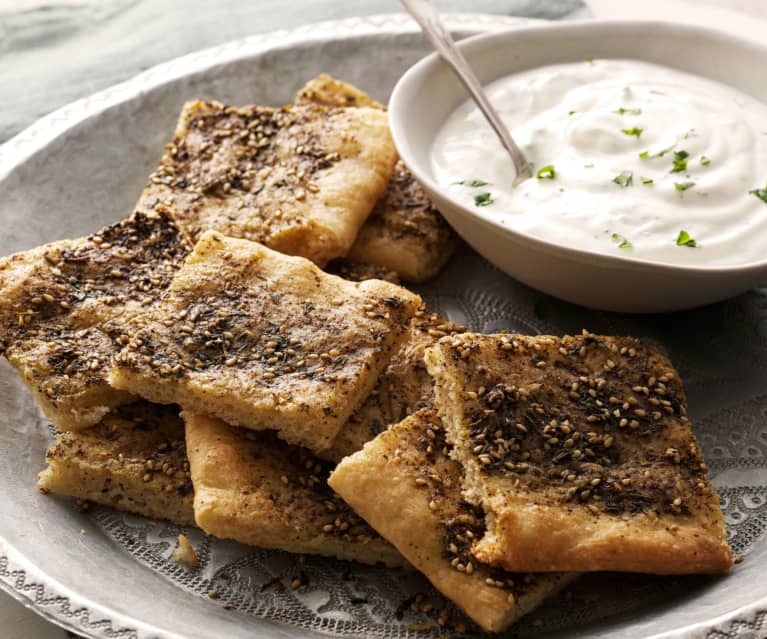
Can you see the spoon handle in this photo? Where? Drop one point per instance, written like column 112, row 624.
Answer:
column 427, row 16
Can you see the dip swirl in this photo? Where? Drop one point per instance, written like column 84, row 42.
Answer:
column 629, row 158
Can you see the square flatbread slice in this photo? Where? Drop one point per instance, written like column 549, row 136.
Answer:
column 58, row 301
column 403, row 388
column 325, row 90
column 404, row 233
column 265, row 340
column 256, row 489
column 300, row 180
column 133, row 460
column 580, row 452
column 404, row 484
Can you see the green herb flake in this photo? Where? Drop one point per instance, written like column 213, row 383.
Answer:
column 624, row 179
column 590, row 60
column 636, row 131
column 621, row 241
column 546, row 172
column 760, row 193
column 588, row 166
column 683, row 186
column 483, row 199
column 571, row 112
column 684, row 239
column 680, row 161
column 623, row 111
column 645, row 155
column 473, row 183
column 704, row 160
column 647, row 181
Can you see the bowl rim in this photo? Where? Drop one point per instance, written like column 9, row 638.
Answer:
column 650, row 28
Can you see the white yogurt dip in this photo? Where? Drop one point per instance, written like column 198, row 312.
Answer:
column 631, row 159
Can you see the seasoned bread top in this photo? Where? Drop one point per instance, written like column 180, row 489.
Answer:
column 325, row 90
column 84, row 282
column 136, row 443
column 404, row 232
column 403, row 388
column 264, row 340
column 61, row 306
column 255, row 488
column 301, row 180
column 588, row 434
column 406, row 486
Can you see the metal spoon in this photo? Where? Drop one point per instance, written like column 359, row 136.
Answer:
column 427, row 16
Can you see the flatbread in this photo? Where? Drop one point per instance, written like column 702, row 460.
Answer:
column 300, row 180
column 256, row 489
column 404, row 484
column 326, row 91
column 60, row 304
column 403, row 388
column 581, row 454
column 264, row 340
column 133, row 460
column 359, row 271
column 404, row 233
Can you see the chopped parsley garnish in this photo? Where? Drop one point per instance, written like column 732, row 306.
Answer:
column 546, row 172
column 590, row 60
column 633, row 131
column 646, row 181
column 623, row 111
column 588, row 166
column 473, row 183
column 684, row 239
column 646, row 154
column 704, row 160
column 624, row 179
column 621, row 241
column 760, row 193
column 680, row 161
column 683, row 186
column 483, row 199
column 571, row 112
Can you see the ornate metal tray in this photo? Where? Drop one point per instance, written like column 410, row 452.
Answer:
column 106, row 574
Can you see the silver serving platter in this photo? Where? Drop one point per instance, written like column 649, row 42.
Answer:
column 107, row 574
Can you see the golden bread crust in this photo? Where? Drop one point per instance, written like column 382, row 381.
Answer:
column 59, row 304
column 264, row 340
column 405, row 485
column 403, row 388
column 404, row 233
column 133, row 460
column 325, row 90
column 300, row 180
column 256, row 489
column 580, row 452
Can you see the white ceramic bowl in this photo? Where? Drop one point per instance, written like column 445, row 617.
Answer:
column 429, row 91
